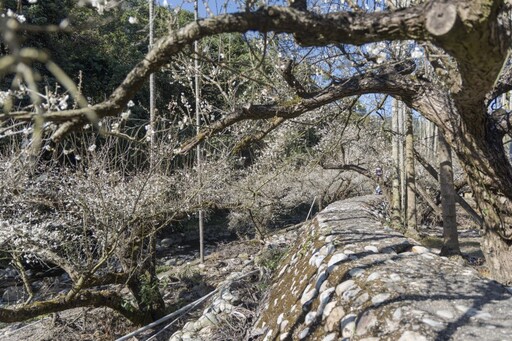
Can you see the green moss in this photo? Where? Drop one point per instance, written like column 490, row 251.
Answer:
column 292, row 101
column 270, row 258
column 189, row 275
column 162, row 268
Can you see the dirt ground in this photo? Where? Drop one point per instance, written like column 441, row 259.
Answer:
column 469, row 239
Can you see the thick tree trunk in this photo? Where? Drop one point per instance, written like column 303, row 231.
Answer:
column 489, row 174
column 401, row 160
column 498, row 255
column 496, row 211
column 143, row 282
column 450, row 234
column 395, row 202
column 410, row 172
column 147, row 295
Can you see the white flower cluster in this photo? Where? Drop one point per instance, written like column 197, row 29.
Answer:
column 417, row 52
column 79, row 216
column 10, row 13
column 378, row 51
column 32, row 219
column 4, row 95
column 56, row 102
column 100, row 5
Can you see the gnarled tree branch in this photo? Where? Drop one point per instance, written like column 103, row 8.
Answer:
column 249, row 139
column 110, row 299
column 290, row 79
column 385, row 187
column 386, row 79
column 342, row 27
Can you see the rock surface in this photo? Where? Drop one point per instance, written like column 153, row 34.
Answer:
column 223, row 303
column 351, row 278
column 231, row 306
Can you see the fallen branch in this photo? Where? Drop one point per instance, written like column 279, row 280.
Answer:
column 460, row 200
column 424, row 194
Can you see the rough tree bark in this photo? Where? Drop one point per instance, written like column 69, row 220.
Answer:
column 402, row 164
column 143, row 282
column 410, row 173
column 87, row 298
column 450, row 234
column 396, row 220
column 490, row 177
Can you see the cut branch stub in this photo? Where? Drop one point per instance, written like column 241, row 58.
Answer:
column 441, row 18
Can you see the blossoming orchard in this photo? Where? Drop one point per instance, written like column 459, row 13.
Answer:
column 124, row 122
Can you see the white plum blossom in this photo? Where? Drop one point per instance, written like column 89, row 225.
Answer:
column 133, row 20
column 381, row 58
column 63, row 103
column 100, row 5
column 64, row 23
column 125, row 114
column 3, row 96
column 21, row 18
column 417, row 52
